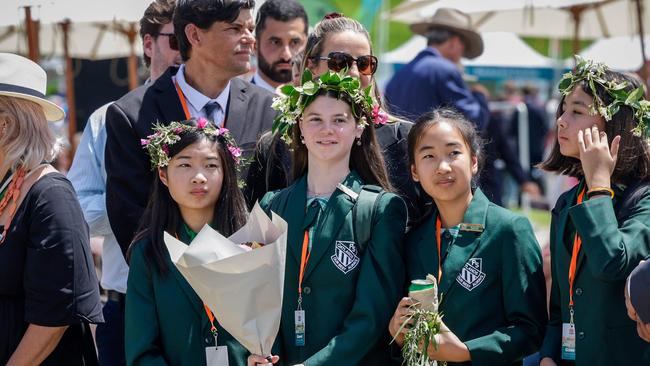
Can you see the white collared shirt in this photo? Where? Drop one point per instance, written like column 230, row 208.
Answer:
column 196, row 100
column 259, row 81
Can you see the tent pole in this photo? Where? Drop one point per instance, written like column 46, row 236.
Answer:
column 639, row 14
column 132, row 34
column 32, row 34
column 69, row 85
column 576, row 14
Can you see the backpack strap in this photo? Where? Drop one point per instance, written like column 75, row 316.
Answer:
column 363, row 214
column 634, row 194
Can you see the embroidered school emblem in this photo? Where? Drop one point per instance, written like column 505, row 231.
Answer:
column 345, row 256
column 471, row 276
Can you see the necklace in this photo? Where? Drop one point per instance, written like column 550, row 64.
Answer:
column 12, row 194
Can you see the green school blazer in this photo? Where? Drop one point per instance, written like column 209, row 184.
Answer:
column 165, row 322
column 493, row 294
column 611, row 248
column 348, row 296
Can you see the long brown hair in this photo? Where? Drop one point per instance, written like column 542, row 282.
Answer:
column 365, row 159
column 633, row 162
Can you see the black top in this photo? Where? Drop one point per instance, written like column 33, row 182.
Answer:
column 47, row 275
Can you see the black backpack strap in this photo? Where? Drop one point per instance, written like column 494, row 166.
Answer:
column 363, row 214
column 634, row 192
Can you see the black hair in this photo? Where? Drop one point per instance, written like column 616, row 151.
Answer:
column 163, row 214
column 467, row 130
column 633, row 161
column 203, row 14
column 282, row 11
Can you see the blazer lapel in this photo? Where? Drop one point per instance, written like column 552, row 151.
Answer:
column 338, row 207
column 192, row 297
column 425, row 251
column 465, row 244
column 167, row 100
column 236, row 110
column 295, row 213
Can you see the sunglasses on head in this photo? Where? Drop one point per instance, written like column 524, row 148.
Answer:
column 337, row 61
column 173, row 42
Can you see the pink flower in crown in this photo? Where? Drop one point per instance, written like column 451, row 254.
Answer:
column 144, row 142
column 235, row 151
column 379, row 117
column 201, row 123
column 165, row 149
column 223, row 131
column 178, row 130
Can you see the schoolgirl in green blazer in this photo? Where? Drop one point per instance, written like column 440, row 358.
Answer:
column 486, row 259
column 344, row 268
column 600, row 228
column 196, row 184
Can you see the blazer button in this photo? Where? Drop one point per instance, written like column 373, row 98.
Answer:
column 579, row 291
column 207, row 340
column 447, row 235
column 307, row 290
column 581, row 335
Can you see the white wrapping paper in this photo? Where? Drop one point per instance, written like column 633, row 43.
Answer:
column 243, row 288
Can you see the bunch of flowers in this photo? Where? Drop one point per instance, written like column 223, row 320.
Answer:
column 294, row 99
column 157, row 145
column 594, row 73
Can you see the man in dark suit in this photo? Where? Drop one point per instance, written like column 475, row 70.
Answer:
column 215, row 39
column 432, row 79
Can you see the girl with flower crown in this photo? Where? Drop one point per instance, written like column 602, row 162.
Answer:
column 600, row 228
column 195, row 184
column 344, row 268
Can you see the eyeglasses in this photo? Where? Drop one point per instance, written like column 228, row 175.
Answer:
column 173, row 42
column 337, row 61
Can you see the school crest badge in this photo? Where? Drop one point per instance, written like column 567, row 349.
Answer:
column 471, row 276
column 345, row 256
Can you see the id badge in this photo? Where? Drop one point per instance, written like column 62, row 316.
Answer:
column 568, row 341
column 216, row 356
column 299, row 317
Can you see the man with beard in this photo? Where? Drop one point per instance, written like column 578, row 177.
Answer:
column 281, row 33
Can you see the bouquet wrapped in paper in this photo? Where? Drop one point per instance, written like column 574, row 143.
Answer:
column 243, row 287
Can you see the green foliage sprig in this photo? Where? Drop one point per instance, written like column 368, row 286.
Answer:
column 426, row 325
column 294, row 99
column 594, row 74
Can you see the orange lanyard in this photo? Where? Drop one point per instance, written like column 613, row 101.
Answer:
column 304, row 258
column 181, row 96
column 438, row 227
column 577, row 243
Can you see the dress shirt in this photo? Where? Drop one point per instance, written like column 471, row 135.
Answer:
column 196, row 100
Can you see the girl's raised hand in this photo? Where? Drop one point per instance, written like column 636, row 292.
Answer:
column 400, row 322
column 597, row 158
column 254, row 360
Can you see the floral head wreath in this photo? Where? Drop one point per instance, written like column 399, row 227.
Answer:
column 292, row 102
column 594, row 74
column 157, row 145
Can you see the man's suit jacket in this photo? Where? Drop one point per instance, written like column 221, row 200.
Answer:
column 430, row 81
column 129, row 173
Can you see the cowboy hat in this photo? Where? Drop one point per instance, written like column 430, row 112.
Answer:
column 23, row 78
column 459, row 23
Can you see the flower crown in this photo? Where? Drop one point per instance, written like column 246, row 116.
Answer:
column 594, row 73
column 157, row 145
column 294, row 99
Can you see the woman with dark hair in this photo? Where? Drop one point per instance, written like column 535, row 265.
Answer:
column 48, row 287
column 344, row 269
column 195, row 185
column 600, row 229
column 340, row 44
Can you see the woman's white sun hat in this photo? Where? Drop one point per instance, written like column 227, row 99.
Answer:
column 23, row 78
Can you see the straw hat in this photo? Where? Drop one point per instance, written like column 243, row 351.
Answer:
column 23, row 78
column 457, row 22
